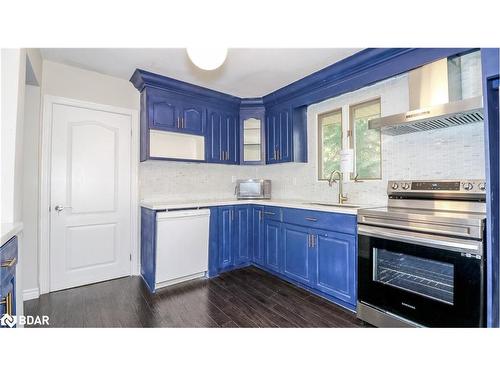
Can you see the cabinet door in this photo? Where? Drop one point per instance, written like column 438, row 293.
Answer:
column 298, row 253
column 258, row 235
column 336, row 265
column 272, row 240
column 285, row 136
column 163, row 113
column 193, row 119
column 226, row 255
column 233, row 138
column 213, row 147
column 243, row 234
column 272, row 138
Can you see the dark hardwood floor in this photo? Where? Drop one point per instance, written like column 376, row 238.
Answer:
column 246, row 297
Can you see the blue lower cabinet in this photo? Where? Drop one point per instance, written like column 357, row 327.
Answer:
column 243, row 236
column 298, row 253
column 335, row 265
column 8, row 263
column 148, row 247
column 258, row 234
column 226, row 238
column 272, row 245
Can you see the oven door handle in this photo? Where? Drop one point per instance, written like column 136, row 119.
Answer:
column 470, row 247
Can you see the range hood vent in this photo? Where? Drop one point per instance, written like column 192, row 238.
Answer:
column 431, row 87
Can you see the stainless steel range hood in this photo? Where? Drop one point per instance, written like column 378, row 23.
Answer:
column 442, row 94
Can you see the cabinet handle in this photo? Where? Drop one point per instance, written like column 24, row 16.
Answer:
column 232, row 215
column 7, row 301
column 9, row 262
column 311, row 219
column 279, row 154
column 183, row 124
column 308, row 240
column 313, row 240
column 226, row 156
column 269, row 213
column 260, row 215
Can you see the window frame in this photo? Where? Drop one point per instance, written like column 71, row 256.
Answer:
column 351, row 135
column 320, row 138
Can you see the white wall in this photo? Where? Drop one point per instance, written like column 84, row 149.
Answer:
column 13, row 79
column 70, row 82
column 31, row 184
column 447, row 153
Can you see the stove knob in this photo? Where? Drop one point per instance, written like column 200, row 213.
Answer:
column 395, row 186
column 467, row 186
column 482, row 186
column 405, row 186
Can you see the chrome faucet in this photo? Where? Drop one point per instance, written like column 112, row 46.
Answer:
column 341, row 196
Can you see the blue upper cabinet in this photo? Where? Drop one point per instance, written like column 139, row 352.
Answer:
column 213, row 146
column 163, row 113
column 222, row 137
column 174, row 106
column 192, row 118
column 252, row 131
column 171, row 112
column 286, row 135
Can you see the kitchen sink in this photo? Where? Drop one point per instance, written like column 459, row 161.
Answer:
column 335, row 205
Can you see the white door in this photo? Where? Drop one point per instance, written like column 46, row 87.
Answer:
column 90, row 196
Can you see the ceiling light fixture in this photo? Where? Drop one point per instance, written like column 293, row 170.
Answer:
column 207, row 58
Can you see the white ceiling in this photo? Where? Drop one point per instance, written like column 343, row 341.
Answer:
column 246, row 72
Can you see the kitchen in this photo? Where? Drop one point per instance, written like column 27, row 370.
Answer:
column 227, row 166
column 331, row 193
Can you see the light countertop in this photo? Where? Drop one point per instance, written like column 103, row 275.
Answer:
column 9, row 230
column 175, row 205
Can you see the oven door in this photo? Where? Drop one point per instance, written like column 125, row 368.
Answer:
column 434, row 281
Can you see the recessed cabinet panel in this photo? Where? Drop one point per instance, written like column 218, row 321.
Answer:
column 258, row 234
column 164, row 115
column 298, row 249
column 243, row 234
column 272, row 230
column 192, row 119
column 336, row 265
column 226, row 253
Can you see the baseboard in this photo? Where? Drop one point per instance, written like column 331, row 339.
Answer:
column 31, row 294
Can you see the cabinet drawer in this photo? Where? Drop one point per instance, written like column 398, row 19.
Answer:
column 344, row 223
column 273, row 213
column 8, row 259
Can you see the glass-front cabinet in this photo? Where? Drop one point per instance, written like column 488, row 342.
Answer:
column 252, row 140
column 252, row 135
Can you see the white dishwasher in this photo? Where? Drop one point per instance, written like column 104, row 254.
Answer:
column 181, row 245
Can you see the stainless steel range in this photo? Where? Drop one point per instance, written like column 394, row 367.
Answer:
column 421, row 258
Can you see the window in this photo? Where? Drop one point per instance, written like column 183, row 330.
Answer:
column 329, row 142
column 365, row 142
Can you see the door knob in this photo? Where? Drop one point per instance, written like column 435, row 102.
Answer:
column 59, row 208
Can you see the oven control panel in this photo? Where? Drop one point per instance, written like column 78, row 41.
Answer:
column 435, row 187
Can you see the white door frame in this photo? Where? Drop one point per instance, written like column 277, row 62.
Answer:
column 45, row 172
